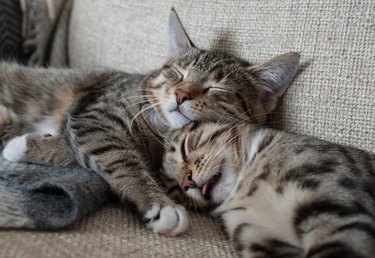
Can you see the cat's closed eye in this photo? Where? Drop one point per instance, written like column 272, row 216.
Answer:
column 173, row 73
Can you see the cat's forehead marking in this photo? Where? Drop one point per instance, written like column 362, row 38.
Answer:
column 159, row 79
column 184, row 71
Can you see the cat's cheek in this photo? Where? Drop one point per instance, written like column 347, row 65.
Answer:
column 219, row 195
column 223, row 190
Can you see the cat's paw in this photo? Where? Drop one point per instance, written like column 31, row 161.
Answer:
column 15, row 149
column 168, row 220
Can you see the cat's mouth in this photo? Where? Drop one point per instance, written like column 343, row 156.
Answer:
column 207, row 188
column 176, row 112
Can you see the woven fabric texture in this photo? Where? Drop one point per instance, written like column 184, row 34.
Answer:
column 332, row 98
column 114, row 232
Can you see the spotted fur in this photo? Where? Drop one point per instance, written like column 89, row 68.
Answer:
column 109, row 121
column 278, row 194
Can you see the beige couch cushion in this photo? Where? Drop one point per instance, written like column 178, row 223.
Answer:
column 114, row 232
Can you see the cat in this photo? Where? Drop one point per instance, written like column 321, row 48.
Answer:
column 111, row 121
column 278, row 194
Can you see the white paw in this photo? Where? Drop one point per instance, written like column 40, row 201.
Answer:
column 168, row 220
column 15, row 149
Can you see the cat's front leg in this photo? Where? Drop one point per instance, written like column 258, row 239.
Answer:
column 39, row 149
column 132, row 183
column 110, row 150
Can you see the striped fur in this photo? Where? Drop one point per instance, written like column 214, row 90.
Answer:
column 110, row 120
column 278, row 194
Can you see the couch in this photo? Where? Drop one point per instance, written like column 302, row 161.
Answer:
column 332, row 97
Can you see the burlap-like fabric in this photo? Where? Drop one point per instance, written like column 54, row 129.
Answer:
column 113, row 232
column 332, row 98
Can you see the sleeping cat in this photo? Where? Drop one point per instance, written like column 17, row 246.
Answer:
column 278, row 194
column 109, row 120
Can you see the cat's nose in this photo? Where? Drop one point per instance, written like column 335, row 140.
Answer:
column 188, row 182
column 182, row 95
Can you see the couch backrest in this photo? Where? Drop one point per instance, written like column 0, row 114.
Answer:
column 333, row 97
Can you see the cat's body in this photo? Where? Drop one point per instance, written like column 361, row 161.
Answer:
column 280, row 194
column 109, row 120
column 44, row 100
column 94, row 112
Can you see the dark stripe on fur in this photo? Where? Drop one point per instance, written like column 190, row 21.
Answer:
column 117, row 162
column 172, row 189
column 316, row 208
column 90, row 97
column 122, row 165
column 347, row 183
column 352, row 162
column 195, row 125
column 266, row 171
column 213, row 136
column 266, row 141
column 358, row 226
column 368, row 162
column 118, row 121
column 298, row 174
column 321, row 148
column 236, row 140
column 252, row 190
column 182, row 149
column 332, row 250
column 90, row 130
column 238, row 209
column 106, row 148
column 276, row 249
column 310, row 183
column 368, row 187
column 236, row 237
column 242, row 101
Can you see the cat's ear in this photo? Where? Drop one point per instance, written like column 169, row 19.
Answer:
column 178, row 38
column 275, row 76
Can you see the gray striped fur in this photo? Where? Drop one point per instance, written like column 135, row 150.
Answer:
column 278, row 194
column 110, row 121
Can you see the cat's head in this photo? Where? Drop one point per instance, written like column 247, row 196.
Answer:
column 201, row 159
column 208, row 85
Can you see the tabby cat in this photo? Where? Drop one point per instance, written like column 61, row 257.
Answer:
column 109, row 120
column 278, row 194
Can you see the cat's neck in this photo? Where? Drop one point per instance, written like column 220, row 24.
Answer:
column 249, row 141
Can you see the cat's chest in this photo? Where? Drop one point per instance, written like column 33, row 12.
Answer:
column 130, row 113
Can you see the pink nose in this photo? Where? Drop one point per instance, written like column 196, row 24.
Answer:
column 187, row 183
column 181, row 96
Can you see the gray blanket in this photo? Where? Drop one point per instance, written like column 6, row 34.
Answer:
column 42, row 197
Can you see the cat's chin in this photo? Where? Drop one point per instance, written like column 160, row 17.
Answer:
column 221, row 191
column 177, row 119
column 217, row 192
